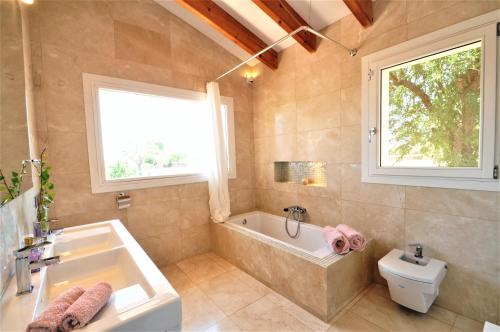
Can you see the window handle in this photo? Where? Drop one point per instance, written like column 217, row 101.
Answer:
column 371, row 132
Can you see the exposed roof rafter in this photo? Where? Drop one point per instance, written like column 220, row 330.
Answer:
column 231, row 28
column 283, row 14
column 362, row 10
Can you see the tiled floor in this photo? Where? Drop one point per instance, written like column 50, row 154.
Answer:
column 217, row 296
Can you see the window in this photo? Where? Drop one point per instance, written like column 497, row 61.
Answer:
column 142, row 135
column 429, row 109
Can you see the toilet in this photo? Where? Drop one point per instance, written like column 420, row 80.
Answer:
column 413, row 281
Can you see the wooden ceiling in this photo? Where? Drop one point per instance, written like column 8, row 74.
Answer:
column 278, row 10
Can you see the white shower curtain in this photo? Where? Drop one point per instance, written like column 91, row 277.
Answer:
column 220, row 208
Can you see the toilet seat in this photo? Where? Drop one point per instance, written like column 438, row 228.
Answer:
column 430, row 273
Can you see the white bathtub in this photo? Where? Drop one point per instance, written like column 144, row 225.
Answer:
column 310, row 239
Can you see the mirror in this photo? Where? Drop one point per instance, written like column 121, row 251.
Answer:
column 14, row 144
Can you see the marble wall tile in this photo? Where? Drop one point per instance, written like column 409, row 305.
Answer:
column 470, row 293
column 459, row 11
column 385, row 225
column 82, row 26
column 354, row 190
column 134, row 43
column 467, row 203
column 321, row 211
column 321, row 112
column 350, row 144
column 68, row 152
column 470, row 243
column 319, row 145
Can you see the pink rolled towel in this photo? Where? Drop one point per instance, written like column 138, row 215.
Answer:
column 49, row 320
column 337, row 240
column 356, row 240
column 86, row 307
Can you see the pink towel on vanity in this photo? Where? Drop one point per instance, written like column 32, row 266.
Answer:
column 337, row 240
column 86, row 307
column 356, row 239
column 49, row 320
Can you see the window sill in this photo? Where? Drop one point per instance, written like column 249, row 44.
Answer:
column 435, row 182
column 133, row 184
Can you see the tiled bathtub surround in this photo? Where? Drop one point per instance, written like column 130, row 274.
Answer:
column 322, row 289
column 142, row 41
column 310, row 109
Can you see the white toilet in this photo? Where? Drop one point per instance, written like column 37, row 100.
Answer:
column 413, row 281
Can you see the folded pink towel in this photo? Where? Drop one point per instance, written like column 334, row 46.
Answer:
column 356, row 239
column 86, row 307
column 337, row 240
column 49, row 320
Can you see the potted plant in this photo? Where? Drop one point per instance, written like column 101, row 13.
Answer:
column 45, row 197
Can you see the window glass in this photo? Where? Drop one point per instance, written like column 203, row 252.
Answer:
column 146, row 136
column 431, row 110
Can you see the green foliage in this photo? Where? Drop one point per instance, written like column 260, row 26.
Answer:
column 145, row 161
column 47, row 193
column 435, row 109
column 121, row 170
column 10, row 191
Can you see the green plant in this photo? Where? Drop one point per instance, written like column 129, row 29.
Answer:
column 435, row 109
column 47, row 194
column 9, row 192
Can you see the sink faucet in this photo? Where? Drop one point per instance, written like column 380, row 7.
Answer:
column 24, row 267
column 418, row 249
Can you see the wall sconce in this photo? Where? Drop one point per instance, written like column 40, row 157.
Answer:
column 28, row 2
column 250, row 76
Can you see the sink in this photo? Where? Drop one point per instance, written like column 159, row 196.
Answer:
column 142, row 298
column 85, row 240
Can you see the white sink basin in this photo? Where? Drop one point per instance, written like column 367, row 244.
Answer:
column 85, row 240
column 142, row 298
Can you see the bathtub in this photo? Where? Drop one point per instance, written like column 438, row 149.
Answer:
column 304, row 269
column 310, row 239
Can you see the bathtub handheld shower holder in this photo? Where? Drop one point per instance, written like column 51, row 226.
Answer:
column 293, row 211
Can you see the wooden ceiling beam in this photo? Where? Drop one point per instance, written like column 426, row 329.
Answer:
column 232, row 29
column 362, row 10
column 287, row 18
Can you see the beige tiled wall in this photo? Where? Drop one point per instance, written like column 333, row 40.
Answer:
column 135, row 40
column 310, row 109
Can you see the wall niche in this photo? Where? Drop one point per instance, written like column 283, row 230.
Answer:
column 308, row 173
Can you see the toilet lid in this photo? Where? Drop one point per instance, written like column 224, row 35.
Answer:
column 423, row 273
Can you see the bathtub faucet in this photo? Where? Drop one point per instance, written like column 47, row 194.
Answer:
column 296, row 212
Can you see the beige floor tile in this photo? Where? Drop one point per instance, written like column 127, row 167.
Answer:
column 350, row 322
column 313, row 322
column 229, row 292
column 225, row 325
column 198, row 311
column 220, row 261
column 200, row 267
column 391, row 316
column 380, row 290
column 250, row 281
column 265, row 315
column 442, row 314
column 466, row 324
column 179, row 280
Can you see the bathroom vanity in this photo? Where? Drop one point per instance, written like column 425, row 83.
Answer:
column 142, row 298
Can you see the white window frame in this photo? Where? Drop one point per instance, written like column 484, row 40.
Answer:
column 91, row 85
column 481, row 28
